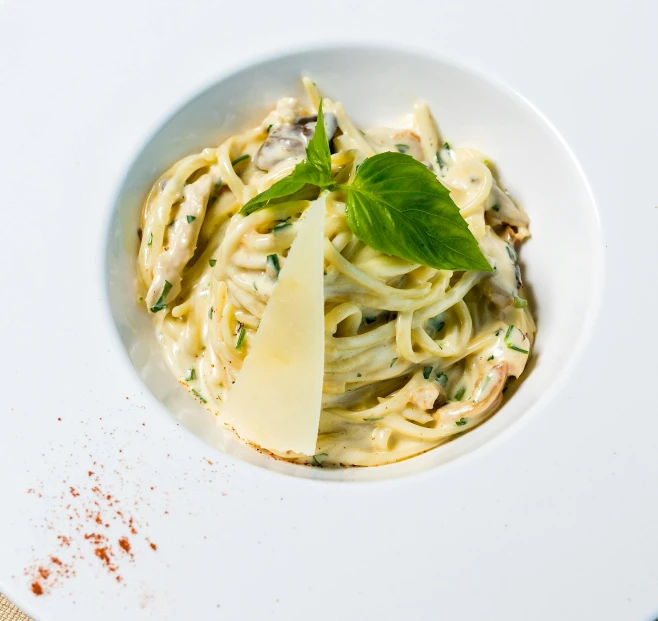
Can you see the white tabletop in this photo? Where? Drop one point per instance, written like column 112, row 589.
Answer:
column 558, row 521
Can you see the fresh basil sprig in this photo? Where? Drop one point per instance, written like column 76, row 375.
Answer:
column 394, row 204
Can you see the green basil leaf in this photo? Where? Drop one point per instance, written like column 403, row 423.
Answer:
column 317, row 152
column 397, row 206
column 307, row 178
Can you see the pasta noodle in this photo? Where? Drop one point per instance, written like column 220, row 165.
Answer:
column 414, row 356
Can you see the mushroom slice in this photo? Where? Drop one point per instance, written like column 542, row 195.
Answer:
column 289, row 140
column 458, row 416
column 504, row 282
column 501, row 210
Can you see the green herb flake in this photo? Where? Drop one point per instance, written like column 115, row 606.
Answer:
column 442, row 379
column 196, row 393
column 490, row 358
column 316, row 462
column 495, row 207
column 150, row 241
column 190, row 219
column 393, row 362
column 460, row 393
column 511, row 345
column 358, row 374
column 140, row 299
column 241, row 337
column 373, row 419
column 242, row 158
column 191, row 375
column 160, row 304
column 212, row 262
column 282, row 225
column 269, row 127
column 461, row 422
column 446, row 146
column 520, row 302
column 255, row 287
column 426, row 372
column 402, row 148
column 273, row 264
column 511, row 253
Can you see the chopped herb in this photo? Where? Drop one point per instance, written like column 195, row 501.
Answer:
column 442, row 379
column 242, row 158
column 497, row 332
column 461, row 422
column 273, row 264
column 282, row 225
column 191, row 374
column 392, row 362
column 190, row 219
column 315, row 461
column 241, row 336
column 520, row 302
column 358, row 374
column 212, row 262
column 439, row 160
column 446, row 146
column 511, row 253
column 490, row 358
column 402, row 148
column 495, row 207
column 198, row 394
column 426, row 372
column 150, row 241
column 269, row 127
column 140, row 299
column 511, row 345
column 218, row 185
column 439, row 326
column 210, row 312
column 374, row 418
column 255, row 287
column 160, row 304
column 460, row 393
column 370, row 318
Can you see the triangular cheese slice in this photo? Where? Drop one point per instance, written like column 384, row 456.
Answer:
column 276, row 399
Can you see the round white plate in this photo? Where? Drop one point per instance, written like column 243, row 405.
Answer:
column 552, row 518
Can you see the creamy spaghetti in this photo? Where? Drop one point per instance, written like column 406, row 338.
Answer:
column 414, row 356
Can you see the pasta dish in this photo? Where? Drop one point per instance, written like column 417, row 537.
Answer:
column 415, row 352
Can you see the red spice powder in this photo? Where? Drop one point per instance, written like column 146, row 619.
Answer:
column 36, row 588
column 125, row 544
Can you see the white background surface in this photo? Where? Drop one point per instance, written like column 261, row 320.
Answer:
column 556, row 522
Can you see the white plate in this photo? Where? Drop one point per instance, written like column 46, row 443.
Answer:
column 552, row 519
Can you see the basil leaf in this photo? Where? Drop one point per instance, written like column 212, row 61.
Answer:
column 397, row 206
column 306, row 179
column 317, row 152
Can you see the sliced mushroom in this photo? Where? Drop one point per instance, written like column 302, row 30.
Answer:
column 504, row 282
column 289, row 140
column 501, row 210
